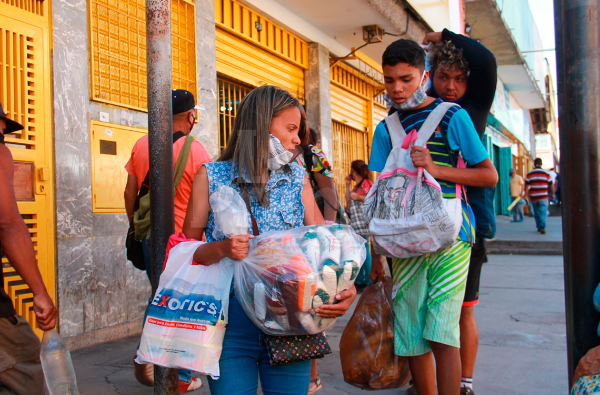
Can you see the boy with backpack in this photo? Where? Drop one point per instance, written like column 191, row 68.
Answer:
column 429, row 289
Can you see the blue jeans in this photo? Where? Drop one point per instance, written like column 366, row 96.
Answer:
column 517, row 211
column 184, row 375
column 245, row 358
column 540, row 212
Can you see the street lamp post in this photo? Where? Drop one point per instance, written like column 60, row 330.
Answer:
column 578, row 77
column 160, row 145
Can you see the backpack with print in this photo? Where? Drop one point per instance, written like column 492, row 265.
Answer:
column 407, row 213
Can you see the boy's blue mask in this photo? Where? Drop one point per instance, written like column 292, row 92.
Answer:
column 415, row 100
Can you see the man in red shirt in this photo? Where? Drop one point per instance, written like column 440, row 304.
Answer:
column 184, row 117
column 539, row 186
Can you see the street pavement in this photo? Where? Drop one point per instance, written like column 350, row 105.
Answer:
column 520, row 315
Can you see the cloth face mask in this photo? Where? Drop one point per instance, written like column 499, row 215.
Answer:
column 278, row 155
column 418, row 97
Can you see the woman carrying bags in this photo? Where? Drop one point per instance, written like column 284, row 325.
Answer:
column 354, row 206
column 257, row 159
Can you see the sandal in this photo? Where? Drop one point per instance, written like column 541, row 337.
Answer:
column 144, row 373
column 317, row 387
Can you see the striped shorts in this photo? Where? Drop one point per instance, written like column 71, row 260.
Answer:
column 428, row 294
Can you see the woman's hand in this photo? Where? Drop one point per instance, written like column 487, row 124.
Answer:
column 348, row 180
column 344, row 301
column 356, row 196
column 237, row 247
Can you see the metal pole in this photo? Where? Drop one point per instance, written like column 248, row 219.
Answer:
column 160, row 145
column 577, row 44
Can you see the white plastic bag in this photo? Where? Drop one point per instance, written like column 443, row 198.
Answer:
column 230, row 213
column 288, row 274
column 185, row 323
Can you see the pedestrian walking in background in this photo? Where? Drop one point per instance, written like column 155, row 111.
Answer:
column 138, row 184
column 517, row 190
column 355, row 198
column 427, row 299
column 257, row 159
column 539, row 190
column 465, row 72
column 319, row 173
column 20, row 367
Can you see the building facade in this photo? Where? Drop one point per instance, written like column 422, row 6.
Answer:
column 507, row 28
column 73, row 73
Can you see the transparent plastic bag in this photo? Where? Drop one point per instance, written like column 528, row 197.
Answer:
column 288, row 274
column 367, row 344
column 230, row 213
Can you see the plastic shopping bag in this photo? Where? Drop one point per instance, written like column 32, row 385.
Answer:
column 367, row 344
column 288, row 274
column 185, row 322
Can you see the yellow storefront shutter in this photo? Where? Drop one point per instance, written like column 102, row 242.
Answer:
column 256, row 51
column 25, row 95
column 118, row 51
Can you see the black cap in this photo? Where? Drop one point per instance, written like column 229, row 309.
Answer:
column 11, row 126
column 182, row 101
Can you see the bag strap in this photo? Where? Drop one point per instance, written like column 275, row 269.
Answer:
column 432, row 122
column 146, row 183
column 395, row 129
column 182, row 159
column 246, row 198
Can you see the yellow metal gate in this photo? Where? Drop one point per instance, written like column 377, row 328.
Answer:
column 25, row 95
column 349, row 144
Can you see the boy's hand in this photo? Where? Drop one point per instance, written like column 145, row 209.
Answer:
column 422, row 158
column 377, row 268
column 432, row 37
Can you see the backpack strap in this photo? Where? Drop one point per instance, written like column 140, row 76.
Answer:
column 432, row 122
column 395, row 129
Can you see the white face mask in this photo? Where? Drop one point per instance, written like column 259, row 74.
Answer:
column 415, row 100
column 278, row 155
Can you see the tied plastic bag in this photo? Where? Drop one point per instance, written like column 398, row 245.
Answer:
column 230, row 213
column 367, row 344
column 185, row 322
column 289, row 274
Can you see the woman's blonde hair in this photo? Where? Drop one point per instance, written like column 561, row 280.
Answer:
column 248, row 144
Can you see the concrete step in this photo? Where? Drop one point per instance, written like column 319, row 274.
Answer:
column 524, row 247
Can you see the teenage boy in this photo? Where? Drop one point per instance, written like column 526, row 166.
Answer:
column 429, row 290
column 465, row 72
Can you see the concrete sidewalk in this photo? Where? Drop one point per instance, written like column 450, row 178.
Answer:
column 522, row 339
column 526, row 230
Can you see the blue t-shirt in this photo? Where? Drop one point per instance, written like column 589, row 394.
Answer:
column 461, row 135
column 460, row 131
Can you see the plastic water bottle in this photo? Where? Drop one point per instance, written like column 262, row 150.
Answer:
column 57, row 365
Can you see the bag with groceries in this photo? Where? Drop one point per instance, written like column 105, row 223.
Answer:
column 367, row 344
column 288, row 274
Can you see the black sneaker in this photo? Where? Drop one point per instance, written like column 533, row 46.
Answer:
column 466, row 391
column 543, row 231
